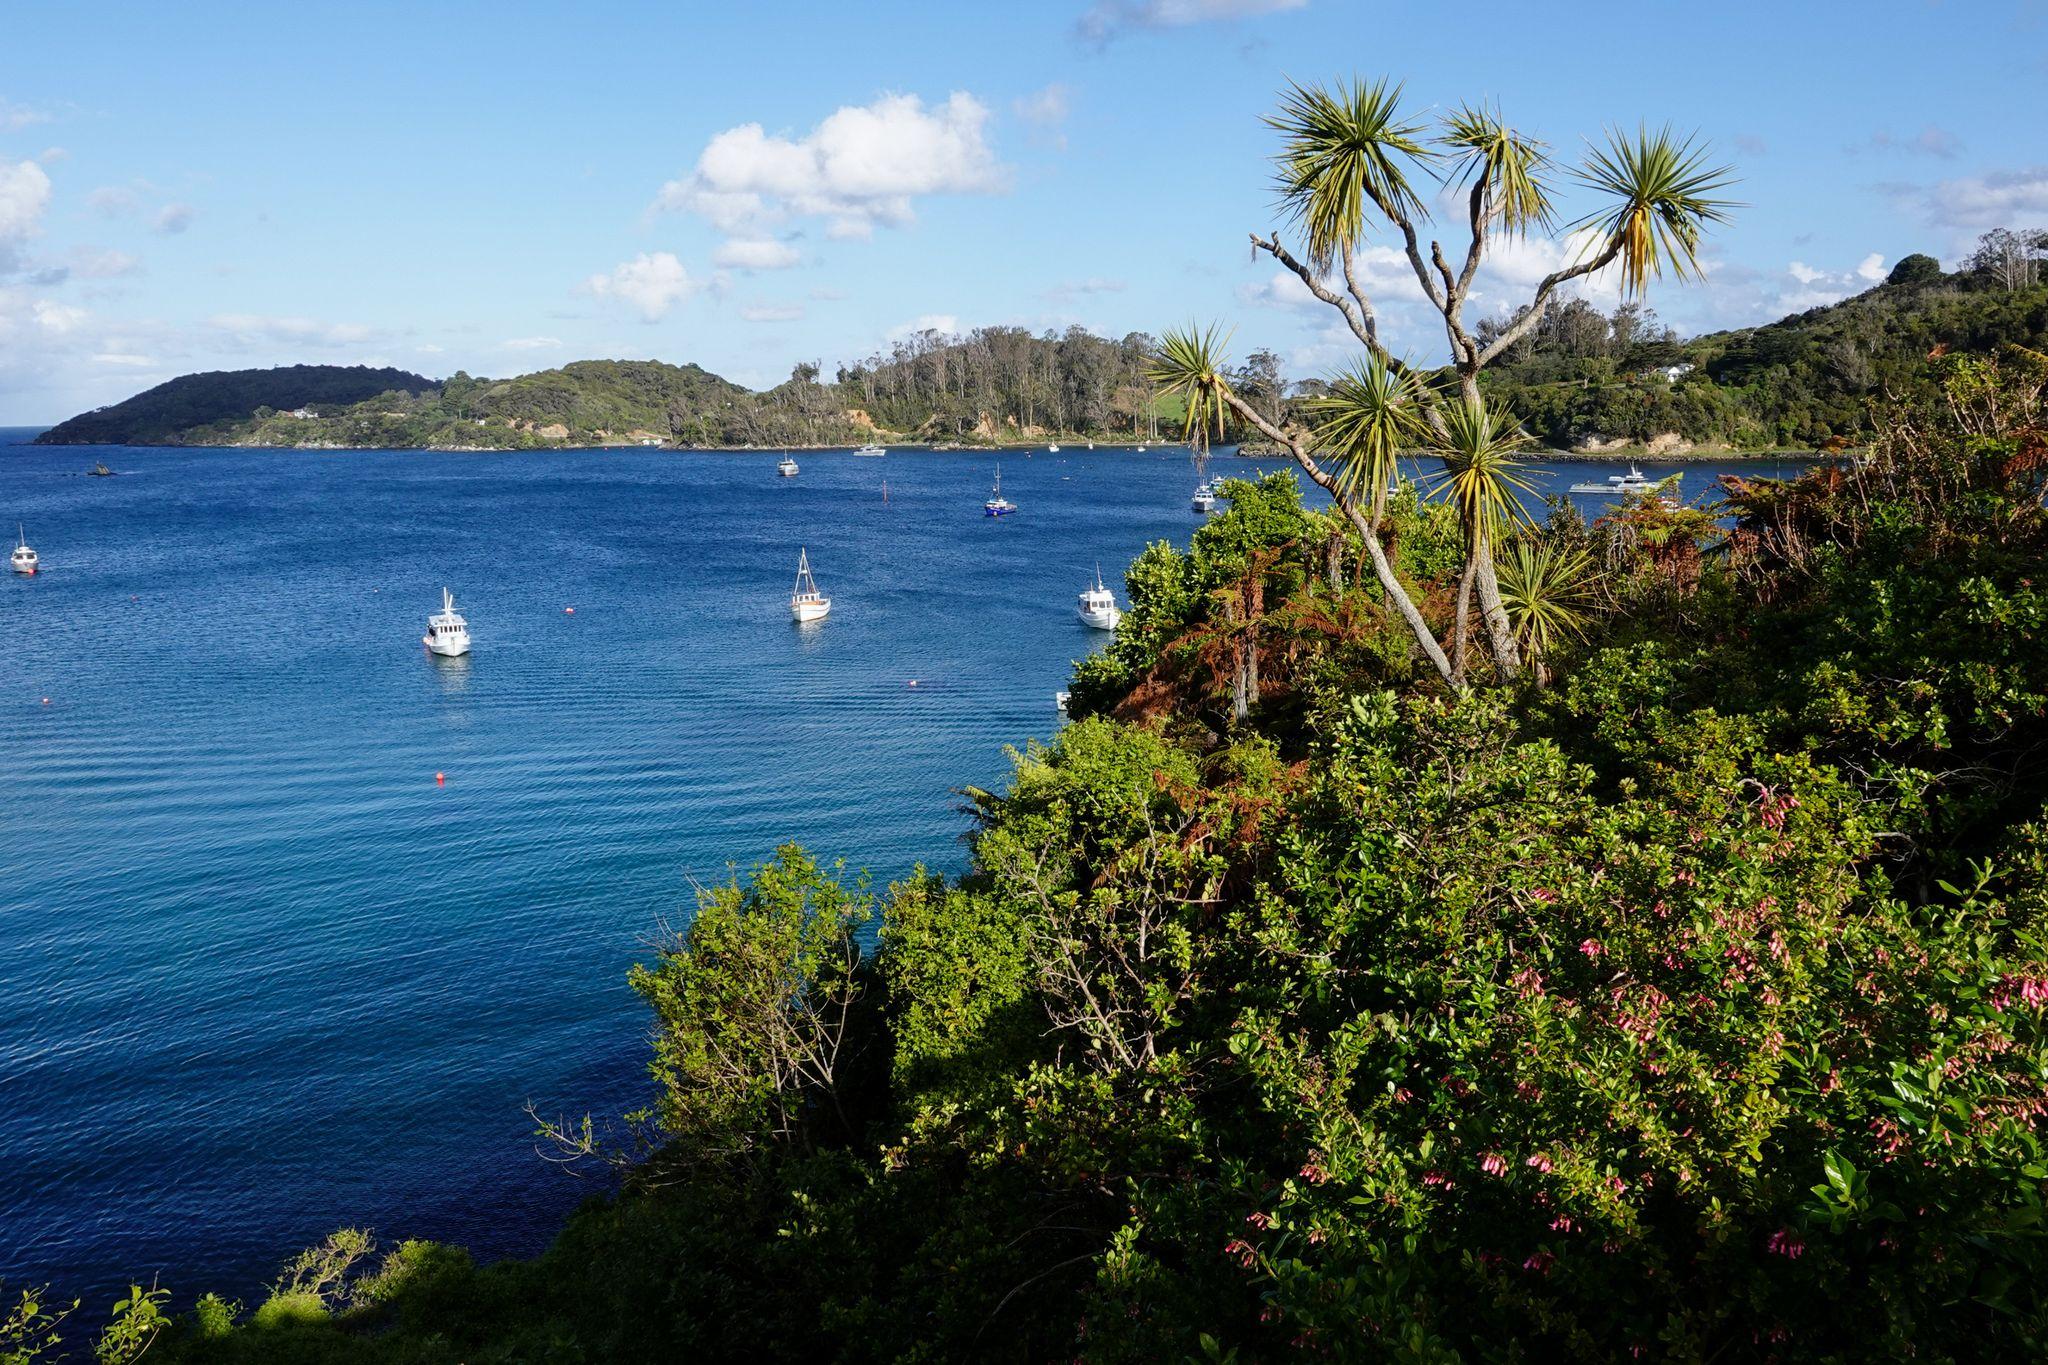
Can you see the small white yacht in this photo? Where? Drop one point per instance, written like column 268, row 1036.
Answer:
column 1097, row 606
column 447, row 633
column 1053, row 449
column 998, row 505
column 1205, row 496
column 787, row 468
column 806, row 603
column 23, row 559
column 871, row 451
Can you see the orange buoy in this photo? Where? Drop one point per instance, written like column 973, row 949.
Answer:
column 568, row 611
column 46, row 701
column 440, row 779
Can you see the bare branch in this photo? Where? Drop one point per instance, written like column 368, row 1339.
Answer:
column 1523, row 324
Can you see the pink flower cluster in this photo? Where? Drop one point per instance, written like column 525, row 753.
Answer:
column 1785, row 1243
column 2030, row 991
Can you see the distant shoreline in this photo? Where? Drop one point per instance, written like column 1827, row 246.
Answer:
column 1615, row 455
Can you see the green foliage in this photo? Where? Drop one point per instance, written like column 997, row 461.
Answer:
column 28, row 1332
column 754, row 1005
column 134, row 1326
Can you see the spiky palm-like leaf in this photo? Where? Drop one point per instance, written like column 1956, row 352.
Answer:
column 1343, row 153
column 1369, row 414
column 1662, row 188
column 1482, row 476
column 1510, row 165
column 1548, row 591
column 1191, row 365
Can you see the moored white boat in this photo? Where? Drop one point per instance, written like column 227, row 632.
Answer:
column 806, row 603
column 1097, row 606
column 1204, row 499
column 1053, row 449
column 447, row 633
column 1620, row 485
column 871, row 451
column 787, row 467
column 24, row 559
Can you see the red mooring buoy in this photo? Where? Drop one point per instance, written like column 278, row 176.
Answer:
column 440, row 779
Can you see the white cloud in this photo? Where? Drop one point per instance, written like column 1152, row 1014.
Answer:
column 763, row 312
column 125, row 359
column 58, row 317
column 945, row 323
column 1976, row 203
column 15, row 117
column 756, row 253
column 865, row 165
column 91, row 264
column 1107, row 18
column 531, row 344
column 1046, row 110
column 256, row 329
column 652, row 282
column 172, row 218
column 24, row 194
column 1871, row 268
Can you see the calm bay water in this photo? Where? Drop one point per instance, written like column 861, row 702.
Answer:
column 263, row 976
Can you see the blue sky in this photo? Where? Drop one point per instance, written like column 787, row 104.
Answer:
column 504, row 187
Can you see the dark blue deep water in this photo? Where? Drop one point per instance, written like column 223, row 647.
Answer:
column 260, row 976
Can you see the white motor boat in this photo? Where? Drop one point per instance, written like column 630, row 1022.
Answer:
column 998, row 505
column 1620, row 485
column 1097, row 606
column 872, row 451
column 1205, row 497
column 23, row 560
column 447, row 633
column 787, row 468
column 806, row 603
column 1053, row 449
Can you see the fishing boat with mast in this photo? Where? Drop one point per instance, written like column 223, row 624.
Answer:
column 806, row 603
column 1097, row 606
column 23, row 560
column 998, row 505
column 447, row 633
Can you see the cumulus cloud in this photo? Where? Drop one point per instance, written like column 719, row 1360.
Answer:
column 24, row 194
column 1816, row 287
column 652, row 283
column 1107, row 18
column 172, row 219
column 864, row 166
column 765, row 312
column 756, row 253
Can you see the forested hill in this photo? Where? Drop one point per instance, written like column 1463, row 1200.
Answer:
column 165, row 414
column 1808, row 380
